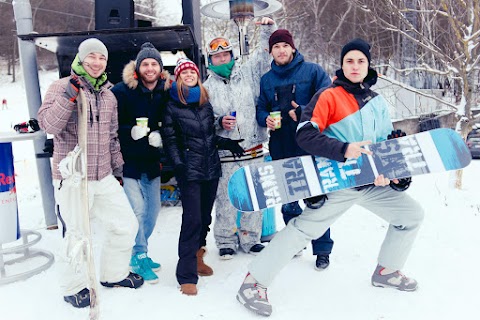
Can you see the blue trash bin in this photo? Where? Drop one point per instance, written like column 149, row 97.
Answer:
column 9, row 226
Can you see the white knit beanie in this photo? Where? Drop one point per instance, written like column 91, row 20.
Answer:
column 91, row 45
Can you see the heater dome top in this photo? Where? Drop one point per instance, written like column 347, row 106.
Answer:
column 221, row 9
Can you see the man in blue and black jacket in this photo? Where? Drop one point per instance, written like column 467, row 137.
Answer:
column 288, row 87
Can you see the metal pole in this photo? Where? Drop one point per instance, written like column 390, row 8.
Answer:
column 191, row 16
column 28, row 60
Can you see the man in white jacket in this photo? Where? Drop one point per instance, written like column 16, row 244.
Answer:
column 233, row 88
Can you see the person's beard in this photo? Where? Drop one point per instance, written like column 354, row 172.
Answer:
column 284, row 62
column 150, row 80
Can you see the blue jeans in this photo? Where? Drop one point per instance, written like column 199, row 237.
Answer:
column 322, row 245
column 144, row 197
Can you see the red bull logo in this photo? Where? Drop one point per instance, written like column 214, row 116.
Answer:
column 9, row 228
column 7, row 183
column 7, row 175
column 6, row 180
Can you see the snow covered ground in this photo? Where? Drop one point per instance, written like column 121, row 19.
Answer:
column 444, row 260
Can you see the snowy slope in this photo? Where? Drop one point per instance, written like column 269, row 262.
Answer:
column 444, row 260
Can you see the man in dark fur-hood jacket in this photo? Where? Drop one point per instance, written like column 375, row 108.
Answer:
column 142, row 94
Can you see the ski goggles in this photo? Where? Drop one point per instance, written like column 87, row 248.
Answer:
column 219, row 45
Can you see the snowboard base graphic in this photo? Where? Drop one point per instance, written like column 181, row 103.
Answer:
column 264, row 185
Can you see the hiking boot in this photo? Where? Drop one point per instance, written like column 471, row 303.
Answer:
column 189, row 289
column 80, row 299
column 133, row 281
column 203, row 270
column 322, row 263
column 141, row 266
column 393, row 280
column 155, row 266
column 253, row 296
column 256, row 248
column 226, row 253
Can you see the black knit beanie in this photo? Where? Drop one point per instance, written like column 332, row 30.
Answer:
column 148, row 51
column 356, row 44
column 281, row 35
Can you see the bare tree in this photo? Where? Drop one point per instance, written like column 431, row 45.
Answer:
column 447, row 42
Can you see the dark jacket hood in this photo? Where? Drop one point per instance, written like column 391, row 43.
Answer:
column 129, row 76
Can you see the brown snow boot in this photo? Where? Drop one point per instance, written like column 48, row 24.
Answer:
column 189, row 289
column 202, row 269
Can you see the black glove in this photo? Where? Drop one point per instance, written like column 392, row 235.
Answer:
column 48, row 146
column 73, row 86
column 234, row 147
column 402, row 184
column 315, row 202
column 33, row 123
column 120, row 180
column 396, row 134
column 180, row 172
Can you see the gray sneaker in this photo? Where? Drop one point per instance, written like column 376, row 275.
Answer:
column 253, row 296
column 393, row 280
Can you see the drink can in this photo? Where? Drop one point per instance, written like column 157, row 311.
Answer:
column 9, row 227
column 233, row 114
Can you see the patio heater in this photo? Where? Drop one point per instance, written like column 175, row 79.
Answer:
column 242, row 13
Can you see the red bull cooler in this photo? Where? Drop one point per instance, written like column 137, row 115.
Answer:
column 9, row 227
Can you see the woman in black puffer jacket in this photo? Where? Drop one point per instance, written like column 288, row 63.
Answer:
column 190, row 141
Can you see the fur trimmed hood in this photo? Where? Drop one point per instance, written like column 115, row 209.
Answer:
column 129, row 76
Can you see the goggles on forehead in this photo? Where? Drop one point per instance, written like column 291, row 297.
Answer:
column 218, row 44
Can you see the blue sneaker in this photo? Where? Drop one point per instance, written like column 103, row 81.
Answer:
column 140, row 265
column 155, row 266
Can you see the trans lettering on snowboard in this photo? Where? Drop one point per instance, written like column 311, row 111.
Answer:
column 258, row 186
column 400, row 157
column 269, row 185
column 295, row 178
column 340, row 175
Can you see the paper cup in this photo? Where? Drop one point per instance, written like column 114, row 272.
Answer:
column 277, row 117
column 143, row 122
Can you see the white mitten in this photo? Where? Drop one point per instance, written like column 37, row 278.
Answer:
column 154, row 139
column 138, row 132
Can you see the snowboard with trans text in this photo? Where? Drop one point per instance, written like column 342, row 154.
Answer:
column 263, row 185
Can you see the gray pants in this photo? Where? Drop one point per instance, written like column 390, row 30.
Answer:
column 225, row 227
column 404, row 214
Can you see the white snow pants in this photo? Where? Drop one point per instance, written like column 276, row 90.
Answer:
column 404, row 214
column 225, row 230
column 109, row 204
